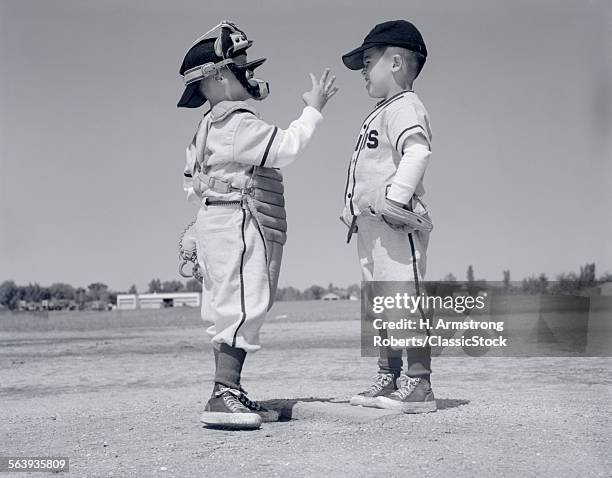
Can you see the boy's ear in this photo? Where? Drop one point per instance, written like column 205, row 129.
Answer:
column 396, row 63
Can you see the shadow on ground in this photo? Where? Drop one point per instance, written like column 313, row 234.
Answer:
column 286, row 407
column 446, row 403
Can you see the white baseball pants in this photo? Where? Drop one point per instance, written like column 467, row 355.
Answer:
column 236, row 290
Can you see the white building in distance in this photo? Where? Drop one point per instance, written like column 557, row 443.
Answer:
column 158, row 300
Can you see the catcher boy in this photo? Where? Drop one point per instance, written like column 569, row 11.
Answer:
column 231, row 174
column 383, row 197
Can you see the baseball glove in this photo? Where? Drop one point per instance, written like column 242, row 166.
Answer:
column 400, row 216
column 395, row 215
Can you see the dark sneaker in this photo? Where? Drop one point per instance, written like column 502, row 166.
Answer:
column 265, row 414
column 384, row 384
column 224, row 409
column 413, row 395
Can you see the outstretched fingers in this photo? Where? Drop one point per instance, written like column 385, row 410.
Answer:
column 314, row 80
column 329, row 84
column 324, row 77
column 322, row 90
column 332, row 92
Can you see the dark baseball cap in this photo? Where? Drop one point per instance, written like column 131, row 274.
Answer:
column 394, row 33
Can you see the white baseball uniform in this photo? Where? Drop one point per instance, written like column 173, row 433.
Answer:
column 231, row 140
column 389, row 160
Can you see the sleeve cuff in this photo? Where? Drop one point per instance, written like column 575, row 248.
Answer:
column 400, row 193
column 312, row 115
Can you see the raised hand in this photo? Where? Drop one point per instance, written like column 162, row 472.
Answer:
column 322, row 90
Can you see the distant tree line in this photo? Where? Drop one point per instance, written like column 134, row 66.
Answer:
column 58, row 296
column 156, row 286
column 316, row 292
column 563, row 283
column 98, row 295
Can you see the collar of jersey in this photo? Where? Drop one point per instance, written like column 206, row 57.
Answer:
column 224, row 108
column 384, row 102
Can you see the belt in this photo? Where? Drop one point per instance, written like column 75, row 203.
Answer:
column 222, row 186
column 212, row 202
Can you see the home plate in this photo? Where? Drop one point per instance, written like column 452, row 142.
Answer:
column 330, row 409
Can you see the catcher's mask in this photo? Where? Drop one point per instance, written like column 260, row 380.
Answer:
column 207, row 56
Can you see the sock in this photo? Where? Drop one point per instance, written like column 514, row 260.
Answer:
column 419, row 362
column 229, row 361
column 390, row 361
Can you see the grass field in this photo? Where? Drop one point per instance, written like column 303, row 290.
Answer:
column 120, row 394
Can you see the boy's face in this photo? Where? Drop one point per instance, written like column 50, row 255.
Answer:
column 226, row 86
column 377, row 72
column 234, row 90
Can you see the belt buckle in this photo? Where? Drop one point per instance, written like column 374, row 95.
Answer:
column 250, row 191
column 212, row 183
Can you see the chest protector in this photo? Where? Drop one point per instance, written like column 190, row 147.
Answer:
column 267, row 203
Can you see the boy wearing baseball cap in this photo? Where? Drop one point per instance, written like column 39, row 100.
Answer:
column 383, row 198
column 232, row 174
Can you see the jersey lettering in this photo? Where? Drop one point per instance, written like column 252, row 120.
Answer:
column 372, row 139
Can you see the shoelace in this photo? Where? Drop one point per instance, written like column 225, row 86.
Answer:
column 381, row 380
column 406, row 385
column 252, row 404
column 241, row 396
column 231, row 397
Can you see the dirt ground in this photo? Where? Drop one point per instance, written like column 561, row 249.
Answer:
column 120, row 395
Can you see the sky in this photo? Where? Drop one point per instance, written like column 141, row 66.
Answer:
column 92, row 144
